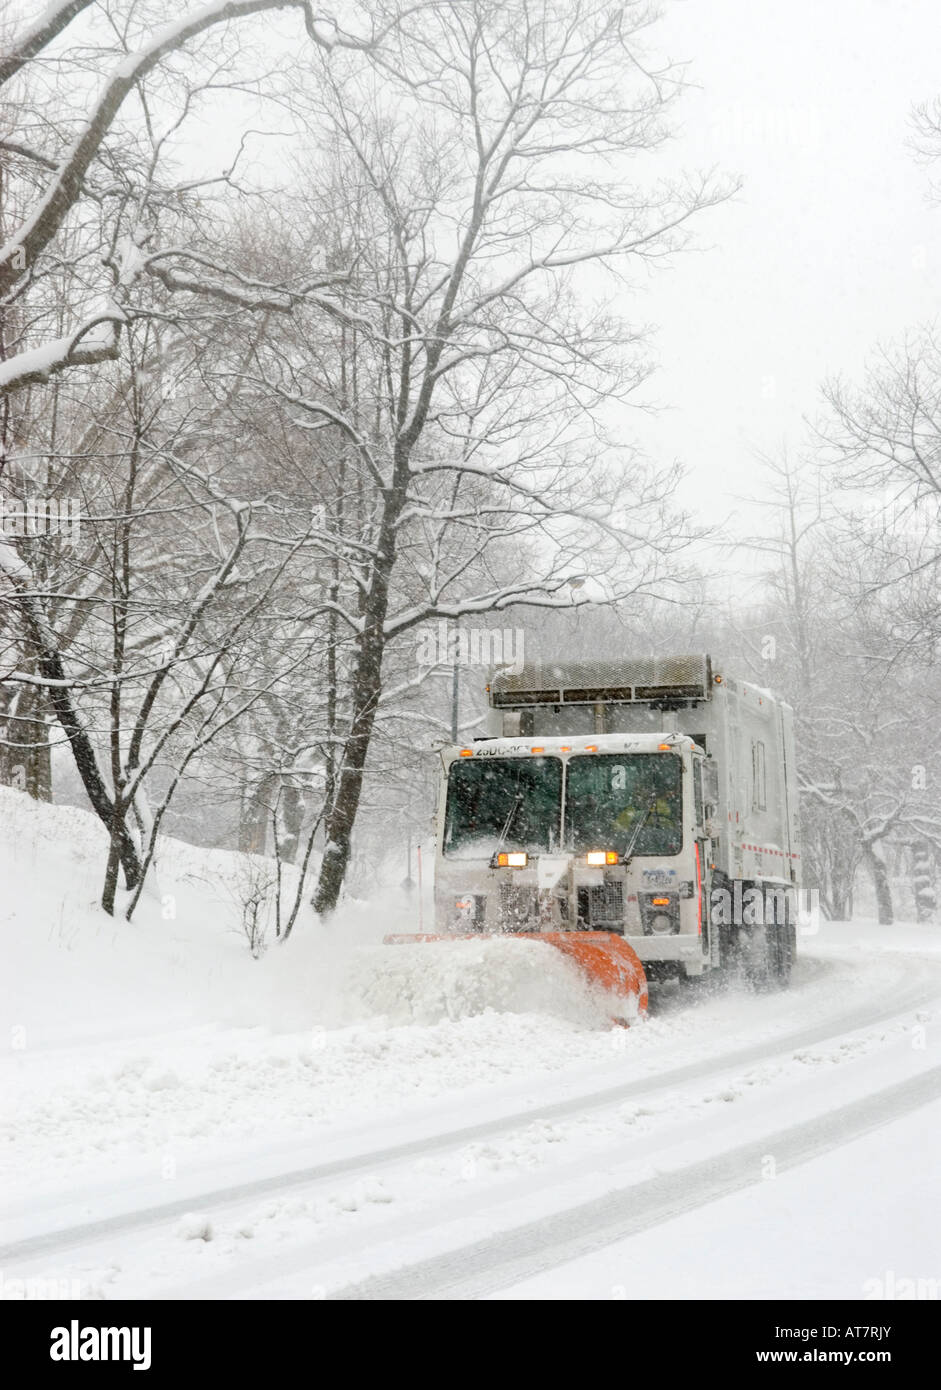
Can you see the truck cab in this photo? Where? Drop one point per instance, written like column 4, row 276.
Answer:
column 607, row 833
column 623, row 798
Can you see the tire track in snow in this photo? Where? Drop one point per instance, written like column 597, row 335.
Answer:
column 861, row 1016
column 499, row 1261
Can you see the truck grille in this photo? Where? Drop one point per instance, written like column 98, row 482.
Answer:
column 518, row 907
column 602, row 905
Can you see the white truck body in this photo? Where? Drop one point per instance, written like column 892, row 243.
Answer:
column 567, row 817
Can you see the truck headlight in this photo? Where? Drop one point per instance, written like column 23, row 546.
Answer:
column 662, row 925
column 661, row 913
column 511, row 859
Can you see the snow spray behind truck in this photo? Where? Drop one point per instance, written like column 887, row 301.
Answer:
column 649, row 803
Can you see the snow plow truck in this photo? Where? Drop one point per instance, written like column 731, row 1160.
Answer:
column 639, row 815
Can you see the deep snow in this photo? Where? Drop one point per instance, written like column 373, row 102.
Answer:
column 425, row 1100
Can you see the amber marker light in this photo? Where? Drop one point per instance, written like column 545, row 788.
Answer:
column 597, row 858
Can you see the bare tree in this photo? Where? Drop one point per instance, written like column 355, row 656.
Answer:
column 827, row 636
column 484, row 198
column 87, row 200
column 77, row 167
column 433, row 344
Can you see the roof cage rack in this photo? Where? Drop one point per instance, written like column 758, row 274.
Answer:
column 633, row 681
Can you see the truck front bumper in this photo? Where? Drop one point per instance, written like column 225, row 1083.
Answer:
column 688, row 951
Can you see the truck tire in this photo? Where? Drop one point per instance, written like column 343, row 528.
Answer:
column 765, row 956
column 766, row 950
column 757, row 956
column 785, row 945
column 783, row 954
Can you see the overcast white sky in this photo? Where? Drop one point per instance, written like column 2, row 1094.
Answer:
column 832, row 245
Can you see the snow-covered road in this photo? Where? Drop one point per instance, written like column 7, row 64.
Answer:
column 467, row 1189
column 346, row 1120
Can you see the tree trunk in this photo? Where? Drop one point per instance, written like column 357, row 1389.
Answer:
column 111, row 873
column 25, row 757
column 880, row 881
column 255, row 815
column 926, row 899
column 293, row 803
column 342, row 814
column 87, row 764
column 366, row 690
column 49, row 664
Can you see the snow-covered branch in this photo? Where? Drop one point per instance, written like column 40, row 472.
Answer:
column 56, row 17
column 24, row 248
column 96, row 340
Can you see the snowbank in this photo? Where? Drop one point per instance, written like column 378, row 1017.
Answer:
column 436, row 980
column 184, row 959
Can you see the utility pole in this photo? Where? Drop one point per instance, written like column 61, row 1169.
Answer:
column 408, row 883
column 455, row 681
column 455, row 687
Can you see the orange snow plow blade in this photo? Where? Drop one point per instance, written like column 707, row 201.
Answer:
column 606, row 960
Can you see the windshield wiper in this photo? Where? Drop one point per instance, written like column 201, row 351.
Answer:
column 511, row 817
column 640, row 825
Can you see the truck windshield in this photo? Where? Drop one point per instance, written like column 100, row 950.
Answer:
column 513, row 803
column 607, row 796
